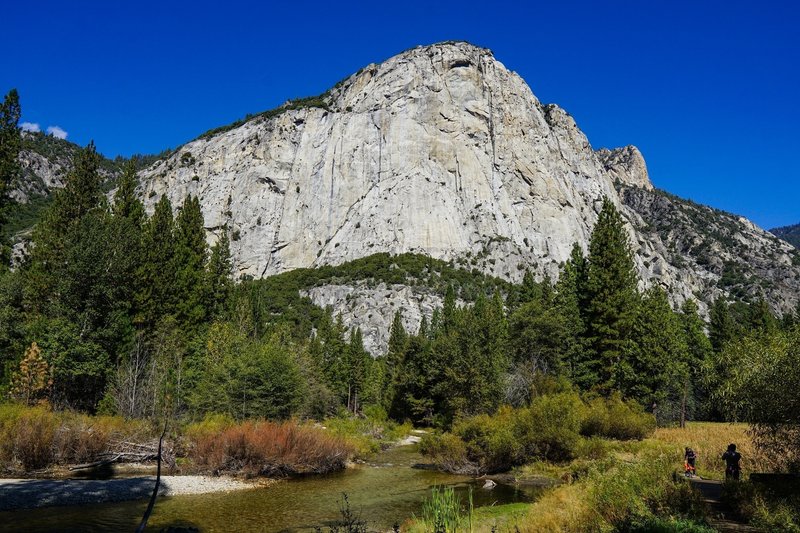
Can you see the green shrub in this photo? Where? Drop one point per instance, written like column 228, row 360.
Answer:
column 597, row 420
column 628, row 420
column 549, row 427
column 593, row 448
column 616, row 419
column 448, row 451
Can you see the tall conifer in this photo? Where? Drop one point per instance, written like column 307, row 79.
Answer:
column 191, row 251
column 612, row 295
column 156, row 296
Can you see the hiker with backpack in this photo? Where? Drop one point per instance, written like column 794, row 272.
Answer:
column 732, row 459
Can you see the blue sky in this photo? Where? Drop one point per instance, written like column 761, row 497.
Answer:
column 709, row 91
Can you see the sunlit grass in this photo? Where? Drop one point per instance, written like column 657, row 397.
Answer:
column 710, row 440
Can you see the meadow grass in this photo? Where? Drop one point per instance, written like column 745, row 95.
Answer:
column 710, row 440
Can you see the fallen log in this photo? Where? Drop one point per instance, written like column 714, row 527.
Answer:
column 118, row 458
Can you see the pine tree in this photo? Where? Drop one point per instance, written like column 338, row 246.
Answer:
column 33, row 380
column 190, row 255
column 448, row 311
column 81, row 192
column 10, row 146
column 156, row 296
column 126, row 204
column 332, row 359
column 529, row 290
column 218, row 273
column 56, row 233
column 127, row 237
column 570, row 304
column 357, row 364
column 611, row 296
column 699, row 356
column 761, row 317
column 655, row 369
column 395, row 354
column 722, row 327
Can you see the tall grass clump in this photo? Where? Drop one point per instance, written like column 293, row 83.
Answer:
column 266, row 448
column 442, row 512
column 709, row 440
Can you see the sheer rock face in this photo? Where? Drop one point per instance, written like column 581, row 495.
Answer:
column 440, row 150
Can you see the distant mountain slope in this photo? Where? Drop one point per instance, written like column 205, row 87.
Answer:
column 790, row 234
column 45, row 162
column 717, row 252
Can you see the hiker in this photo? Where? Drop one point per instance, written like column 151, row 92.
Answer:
column 732, row 458
column 689, row 458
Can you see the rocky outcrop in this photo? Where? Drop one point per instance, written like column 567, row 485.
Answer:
column 717, row 253
column 45, row 162
column 442, row 151
column 42, row 170
column 372, row 308
column 626, row 166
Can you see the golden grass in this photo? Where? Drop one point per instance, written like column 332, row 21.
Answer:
column 710, row 440
column 564, row 509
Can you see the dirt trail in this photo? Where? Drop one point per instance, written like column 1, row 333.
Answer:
column 719, row 515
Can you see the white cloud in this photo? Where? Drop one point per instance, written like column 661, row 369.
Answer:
column 30, row 126
column 56, row 132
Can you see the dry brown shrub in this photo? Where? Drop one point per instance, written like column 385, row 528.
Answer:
column 270, row 449
column 32, row 439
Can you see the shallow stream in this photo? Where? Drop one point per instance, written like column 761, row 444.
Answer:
column 385, row 491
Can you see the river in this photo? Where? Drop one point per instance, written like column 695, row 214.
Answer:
column 386, row 490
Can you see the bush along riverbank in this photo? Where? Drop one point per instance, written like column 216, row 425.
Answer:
column 39, row 442
column 556, row 427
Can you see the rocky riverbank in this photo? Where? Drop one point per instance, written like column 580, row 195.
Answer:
column 33, row 493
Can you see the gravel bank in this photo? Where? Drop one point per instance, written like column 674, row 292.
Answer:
column 32, row 493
